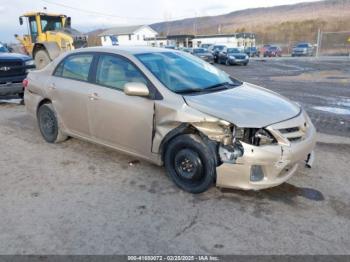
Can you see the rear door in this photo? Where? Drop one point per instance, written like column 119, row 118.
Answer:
column 71, row 90
column 119, row 120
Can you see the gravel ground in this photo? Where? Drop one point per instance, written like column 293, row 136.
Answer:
column 80, row 198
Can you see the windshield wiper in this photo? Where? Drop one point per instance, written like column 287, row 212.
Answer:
column 189, row 91
column 220, row 86
column 213, row 88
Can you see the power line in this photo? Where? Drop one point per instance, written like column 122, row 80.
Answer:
column 103, row 14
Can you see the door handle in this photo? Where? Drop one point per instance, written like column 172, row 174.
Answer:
column 52, row 86
column 93, row 96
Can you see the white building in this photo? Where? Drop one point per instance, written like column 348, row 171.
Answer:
column 128, row 35
column 237, row 40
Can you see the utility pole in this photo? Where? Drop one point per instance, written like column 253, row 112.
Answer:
column 319, row 39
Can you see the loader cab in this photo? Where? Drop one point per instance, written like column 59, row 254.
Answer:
column 40, row 23
column 48, row 36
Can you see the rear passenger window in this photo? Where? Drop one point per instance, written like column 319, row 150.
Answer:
column 75, row 67
column 114, row 72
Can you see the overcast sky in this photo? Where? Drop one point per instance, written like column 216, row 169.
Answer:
column 88, row 15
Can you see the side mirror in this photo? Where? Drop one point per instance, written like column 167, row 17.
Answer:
column 21, row 20
column 136, row 89
column 68, row 22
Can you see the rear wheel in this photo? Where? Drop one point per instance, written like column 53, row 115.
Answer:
column 48, row 124
column 41, row 59
column 190, row 163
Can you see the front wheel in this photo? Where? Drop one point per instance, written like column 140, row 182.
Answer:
column 42, row 59
column 190, row 163
column 227, row 62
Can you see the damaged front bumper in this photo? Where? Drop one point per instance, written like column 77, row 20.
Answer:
column 267, row 166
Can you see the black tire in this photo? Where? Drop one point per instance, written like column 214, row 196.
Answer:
column 245, row 64
column 48, row 124
column 189, row 162
column 227, row 62
column 21, row 96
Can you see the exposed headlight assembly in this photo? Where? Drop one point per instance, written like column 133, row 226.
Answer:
column 263, row 137
column 253, row 136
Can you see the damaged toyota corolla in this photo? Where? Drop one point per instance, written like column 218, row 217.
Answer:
column 172, row 109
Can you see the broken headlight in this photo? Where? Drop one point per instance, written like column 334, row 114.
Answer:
column 263, row 137
column 253, row 136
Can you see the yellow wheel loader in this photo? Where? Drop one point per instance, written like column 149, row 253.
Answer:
column 48, row 36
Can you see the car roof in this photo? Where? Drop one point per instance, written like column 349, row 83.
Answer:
column 131, row 50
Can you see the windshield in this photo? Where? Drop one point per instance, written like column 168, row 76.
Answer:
column 3, row 49
column 219, row 47
column 51, row 23
column 199, row 50
column 184, row 73
column 273, row 48
column 303, row 45
column 233, row 50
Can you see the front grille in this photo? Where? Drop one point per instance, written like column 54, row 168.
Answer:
column 11, row 68
column 289, row 130
column 293, row 134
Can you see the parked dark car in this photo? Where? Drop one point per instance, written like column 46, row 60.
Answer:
column 252, row 51
column 170, row 47
column 264, row 48
column 206, row 46
column 303, row 49
column 186, row 49
column 203, row 54
column 215, row 50
column 3, row 48
column 13, row 70
column 273, row 51
column 233, row 56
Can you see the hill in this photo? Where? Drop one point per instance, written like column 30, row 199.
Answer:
column 280, row 24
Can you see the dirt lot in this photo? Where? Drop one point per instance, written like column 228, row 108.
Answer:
column 79, row 198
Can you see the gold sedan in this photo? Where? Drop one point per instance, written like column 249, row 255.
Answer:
column 172, row 109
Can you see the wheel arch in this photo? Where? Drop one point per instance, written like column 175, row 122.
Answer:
column 52, row 49
column 187, row 128
column 42, row 102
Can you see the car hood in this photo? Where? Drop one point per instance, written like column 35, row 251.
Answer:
column 245, row 106
column 13, row 56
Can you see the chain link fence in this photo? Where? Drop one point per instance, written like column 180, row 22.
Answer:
column 334, row 43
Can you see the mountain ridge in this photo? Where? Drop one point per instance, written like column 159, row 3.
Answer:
column 278, row 23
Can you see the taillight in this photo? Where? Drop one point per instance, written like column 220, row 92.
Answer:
column 25, row 83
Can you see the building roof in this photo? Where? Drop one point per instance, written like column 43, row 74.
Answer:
column 124, row 30
column 237, row 35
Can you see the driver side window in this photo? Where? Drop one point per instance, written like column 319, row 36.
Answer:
column 114, row 72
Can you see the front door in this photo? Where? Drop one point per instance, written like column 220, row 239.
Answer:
column 119, row 120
